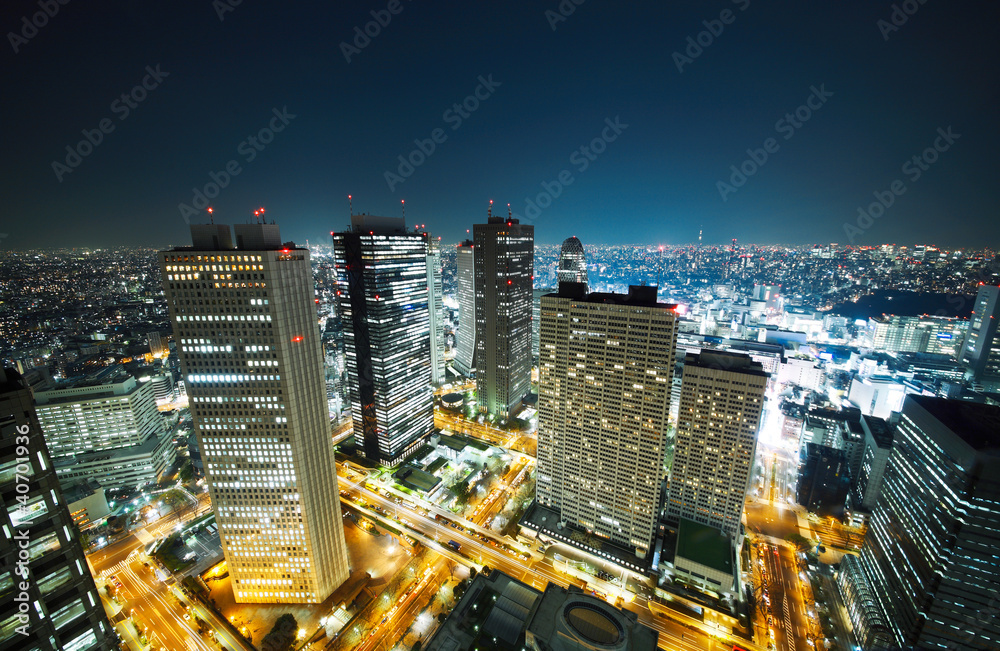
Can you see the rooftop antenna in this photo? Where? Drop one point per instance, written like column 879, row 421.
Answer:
column 403, row 201
column 263, row 220
column 489, row 211
column 211, row 216
column 509, row 215
column 350, row 205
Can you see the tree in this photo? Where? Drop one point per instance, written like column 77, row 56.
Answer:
column 282, row 635
column 800, row 541
column 187, row 472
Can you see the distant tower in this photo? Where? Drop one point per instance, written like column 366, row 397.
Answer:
column 504, row 250
column 572, row 262
column 465, row 339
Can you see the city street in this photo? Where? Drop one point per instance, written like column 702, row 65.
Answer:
column 536, row 572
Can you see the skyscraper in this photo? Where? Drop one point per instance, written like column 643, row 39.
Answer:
column 722, row 396
column 245, row 324
column 504, row 251
column 49, row 601
column 926, row 577
column 383, row 298
column 981, row 350
column 605, row 368
column 435, row 310
column 572, row 262
column 465, row 344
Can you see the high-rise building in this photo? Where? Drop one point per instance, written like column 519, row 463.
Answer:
column 465, row 339
column 926, row 577
column 536, row 317
column 572, row 262
column 383, row 298
column 605, row 370
column 105, row 427
column 504, row 250
column 435, row 310
column 247, row 336
column 981, row 349
column 722, row 397
column 50, row 600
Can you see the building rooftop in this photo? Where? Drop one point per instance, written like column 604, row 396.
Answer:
column 725, row 361
column 704, row 545
column 569, row 619
column 975, row 423
column 637, row 295
column 879, row 429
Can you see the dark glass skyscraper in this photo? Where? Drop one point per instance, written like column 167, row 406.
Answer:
column 572, row 262
column 383, row 292
column 49, row 599
column 504, row 251
column 927, row 574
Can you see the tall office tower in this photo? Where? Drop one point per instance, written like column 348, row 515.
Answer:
column 435, row 309
column 722, row 397
column 465, row 349
column 572, row 262
column 105, row 427
column 605, row 372
column 43, row 563
column 244, row 319
column 981, row 350
column 504, row 251
column 382, row 281
column 926, row 577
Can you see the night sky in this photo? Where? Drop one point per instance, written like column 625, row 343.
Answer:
column 879, row 94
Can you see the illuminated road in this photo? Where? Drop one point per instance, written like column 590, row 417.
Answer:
column 536, row 572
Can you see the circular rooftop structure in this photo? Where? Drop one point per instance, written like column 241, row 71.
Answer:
column 594, row 625
column 452, row 400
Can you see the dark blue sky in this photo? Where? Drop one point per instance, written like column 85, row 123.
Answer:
column 655, row 182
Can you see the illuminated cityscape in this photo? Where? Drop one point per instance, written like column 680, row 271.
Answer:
column 560, row 326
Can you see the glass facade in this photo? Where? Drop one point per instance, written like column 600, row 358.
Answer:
column 383, row 297
column 926, row 576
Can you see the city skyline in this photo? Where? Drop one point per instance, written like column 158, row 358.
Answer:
column 824, row 108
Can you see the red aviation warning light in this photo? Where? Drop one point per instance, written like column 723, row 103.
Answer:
column 297, row 338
